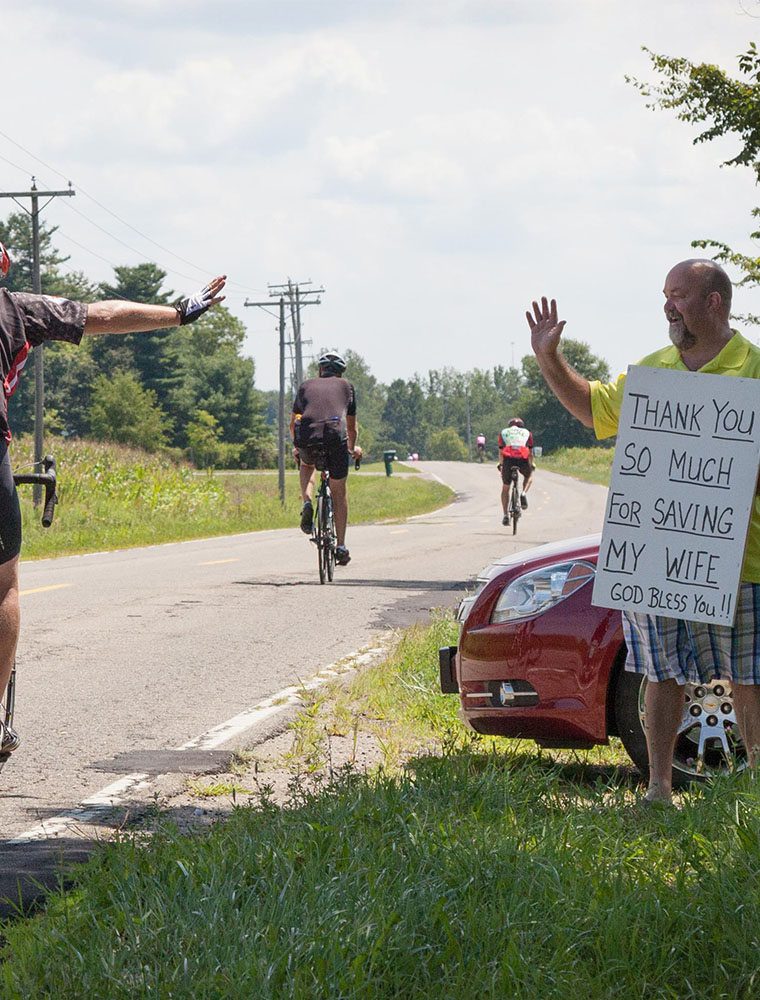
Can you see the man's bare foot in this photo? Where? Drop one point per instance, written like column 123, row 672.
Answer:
column 657, row 797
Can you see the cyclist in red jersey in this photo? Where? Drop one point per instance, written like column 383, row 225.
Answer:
column 515, row 448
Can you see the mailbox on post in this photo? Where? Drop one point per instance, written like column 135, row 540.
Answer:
column 388, row 457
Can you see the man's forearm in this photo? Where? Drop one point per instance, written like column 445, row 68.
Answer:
column 116, row 316
column 570, row 388
column 352, row 430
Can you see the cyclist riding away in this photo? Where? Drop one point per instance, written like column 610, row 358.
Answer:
column 324, row 416
column 515, row 448
column 481, row 443
column 27, row 320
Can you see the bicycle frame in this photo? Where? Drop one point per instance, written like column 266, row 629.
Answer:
column 515, row 509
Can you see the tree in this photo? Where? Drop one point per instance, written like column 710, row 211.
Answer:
column 211, row 375
column 203, row 439
column 65, row 367
column 142, row 354
column 403, row 415
column 16, row 235
column 703, row 94
column 542, row 411
column 447, row 446
column 123, row 411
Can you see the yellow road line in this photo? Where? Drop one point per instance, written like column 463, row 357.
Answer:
column 401, row 531
column 218, row 562
column 39, row 590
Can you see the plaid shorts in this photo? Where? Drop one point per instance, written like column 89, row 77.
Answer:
column 664, row 648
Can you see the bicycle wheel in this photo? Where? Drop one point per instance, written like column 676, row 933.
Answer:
column 6, row 710
column 514, row 504
column 329, row 539
column 319, row 537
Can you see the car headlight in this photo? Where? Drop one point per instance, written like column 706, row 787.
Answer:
column 537, row 591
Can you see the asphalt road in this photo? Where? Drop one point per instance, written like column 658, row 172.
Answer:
column 141, row 651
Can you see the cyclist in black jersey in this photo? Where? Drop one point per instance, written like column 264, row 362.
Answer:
column 27, row 320
column 324, row 415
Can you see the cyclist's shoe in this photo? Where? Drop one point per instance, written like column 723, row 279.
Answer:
column 307, row 517
column 523, row 501
column 505, row 520
column 10, row 739
column 342, row 557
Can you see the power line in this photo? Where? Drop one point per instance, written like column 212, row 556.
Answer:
column 202, row 270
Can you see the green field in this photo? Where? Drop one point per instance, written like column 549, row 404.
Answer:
column 112, row 497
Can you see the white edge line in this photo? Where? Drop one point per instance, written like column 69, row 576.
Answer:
column 109, row 797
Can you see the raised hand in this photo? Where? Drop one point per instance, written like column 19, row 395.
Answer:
column 545, row 328
column 191, row 308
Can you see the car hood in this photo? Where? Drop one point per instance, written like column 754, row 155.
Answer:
column 565, row 548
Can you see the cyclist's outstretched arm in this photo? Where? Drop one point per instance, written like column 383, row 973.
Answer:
column 120, row 316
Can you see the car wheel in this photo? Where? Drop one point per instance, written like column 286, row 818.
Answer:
column 708, row 738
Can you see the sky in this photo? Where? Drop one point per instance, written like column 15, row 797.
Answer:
column 433, row 165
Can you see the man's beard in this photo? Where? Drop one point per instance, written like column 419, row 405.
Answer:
column 682, row 336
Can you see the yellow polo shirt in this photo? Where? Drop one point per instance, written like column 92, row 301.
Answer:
column 738, row 357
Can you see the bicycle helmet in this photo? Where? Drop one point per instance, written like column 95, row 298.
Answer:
column 332, row 363
column 516, row 422
column 5, row 261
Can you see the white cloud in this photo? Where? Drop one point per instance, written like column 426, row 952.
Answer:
column 435, row 163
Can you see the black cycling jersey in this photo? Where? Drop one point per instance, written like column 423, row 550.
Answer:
column 321, row 407
column 27, row 320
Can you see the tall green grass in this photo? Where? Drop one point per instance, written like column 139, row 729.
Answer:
column 488, row 869
column 592, row 464
column 116, row 497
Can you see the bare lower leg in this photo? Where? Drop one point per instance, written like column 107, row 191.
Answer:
column 663, row 711
column 9, row 620
column 306, row 475
column 340, row 508
column 747, row 709
column 505, row 488
column 527, row 482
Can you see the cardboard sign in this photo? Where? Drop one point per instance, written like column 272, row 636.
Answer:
column 682, row 486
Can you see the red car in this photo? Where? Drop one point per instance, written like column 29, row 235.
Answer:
column 537, row 660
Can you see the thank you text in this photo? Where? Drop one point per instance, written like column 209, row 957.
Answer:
column 682, row 486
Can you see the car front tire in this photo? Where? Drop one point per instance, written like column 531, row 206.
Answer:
column 708, row 738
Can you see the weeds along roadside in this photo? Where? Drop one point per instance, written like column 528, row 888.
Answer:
column 115, row 497
column 462, row 866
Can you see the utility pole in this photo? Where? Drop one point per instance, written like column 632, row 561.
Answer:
column 469, row 425
column 39, row 365
column 296, row 300
column 281, row 404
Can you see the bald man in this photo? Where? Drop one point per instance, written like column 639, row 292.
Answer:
column 669, row 651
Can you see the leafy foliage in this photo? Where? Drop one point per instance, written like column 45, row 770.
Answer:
column 542, row 411
column 702, row 94
column 447, row 446
column 124, row 411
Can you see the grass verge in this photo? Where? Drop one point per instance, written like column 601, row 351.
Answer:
column 465, row 868
column 591, row 464
column 114, row 497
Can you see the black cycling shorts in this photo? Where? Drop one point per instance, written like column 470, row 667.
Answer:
column 10, row 511
column 336, row 457
column 523, row 464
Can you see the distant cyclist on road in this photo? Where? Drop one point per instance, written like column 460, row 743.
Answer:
column 515, row 448
column 481, row 443
column 27, row 320
column 324, row 415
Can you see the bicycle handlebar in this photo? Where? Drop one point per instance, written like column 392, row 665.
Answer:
column 48, row 480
